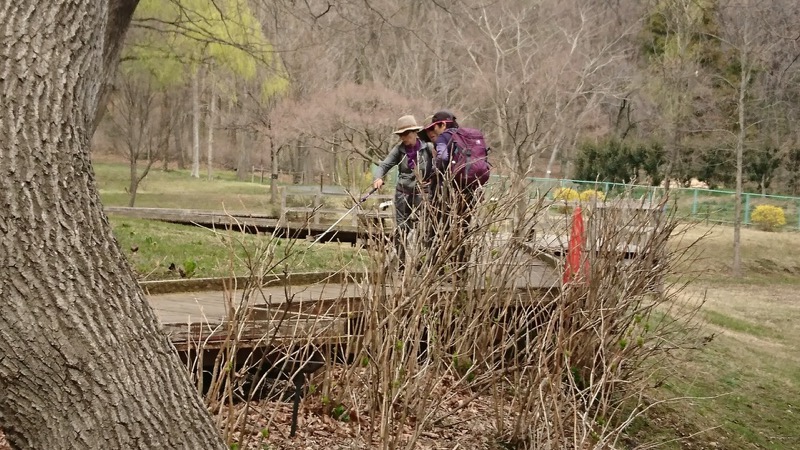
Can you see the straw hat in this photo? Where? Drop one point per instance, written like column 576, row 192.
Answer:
column 406, row 123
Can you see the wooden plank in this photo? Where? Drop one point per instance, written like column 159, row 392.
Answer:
column 260, row 222
column 375, row 214
column 316, row 211
column 198, row 306
column 290, row 330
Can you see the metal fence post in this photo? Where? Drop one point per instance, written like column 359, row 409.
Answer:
column 747, row 209
column 694, row 204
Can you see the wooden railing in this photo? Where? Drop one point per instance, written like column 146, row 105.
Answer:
column 631, row 223
column 315, row 209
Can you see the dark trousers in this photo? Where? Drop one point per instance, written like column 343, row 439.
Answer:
column 452, row 208
column 406, row 208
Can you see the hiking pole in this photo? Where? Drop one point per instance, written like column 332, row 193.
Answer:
column 358, row 203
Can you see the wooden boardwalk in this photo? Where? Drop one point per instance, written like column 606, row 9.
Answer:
column 321, row 310
column 213, row 306
column 192, row 316
column 241, row 221
column 302, row 214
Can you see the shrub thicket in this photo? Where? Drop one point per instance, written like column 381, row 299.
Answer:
column 474, row 330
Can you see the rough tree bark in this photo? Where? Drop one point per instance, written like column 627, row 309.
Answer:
column 83, row 363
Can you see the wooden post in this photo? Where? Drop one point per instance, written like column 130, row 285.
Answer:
column 282, row 212
column 354, row 219
column 317, row 203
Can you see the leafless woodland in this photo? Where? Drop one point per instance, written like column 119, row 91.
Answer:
column 313, row 88
column 328, row 80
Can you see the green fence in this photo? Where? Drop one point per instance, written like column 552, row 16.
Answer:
column 706, row 205
column 709, row 205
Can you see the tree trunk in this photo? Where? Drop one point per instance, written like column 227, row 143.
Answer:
column 196, row 124
column 212, row 115
column 674, row 155
column 273, row 172
column 243, row 162
column 167, row 126
column 133, row 186
column 737, row 218
column 83, row 361
column 548, row 171
column 180, row 122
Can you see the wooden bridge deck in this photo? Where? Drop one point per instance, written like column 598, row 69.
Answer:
column 212, row 306
column 345, row 231
column 306, row 215
column 191, row 317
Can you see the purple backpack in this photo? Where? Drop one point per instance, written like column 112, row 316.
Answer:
column 468, row 157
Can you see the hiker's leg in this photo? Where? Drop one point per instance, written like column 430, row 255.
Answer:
column 427, row 213
column 402, row 213
column 437, row 223
column 463, row 218
column 415, row 235
column 438, row 229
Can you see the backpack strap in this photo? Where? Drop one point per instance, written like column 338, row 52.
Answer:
column 450, row 144
column 429, row 166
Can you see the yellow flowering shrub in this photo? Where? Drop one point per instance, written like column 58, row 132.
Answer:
column 566, row 194
column 768, row 217
column 591, row 194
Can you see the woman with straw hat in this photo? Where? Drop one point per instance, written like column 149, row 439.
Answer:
column 414, row 160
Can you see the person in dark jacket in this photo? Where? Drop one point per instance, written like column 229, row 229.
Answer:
column 453, row 204
column 414, row 160
column 439, row 130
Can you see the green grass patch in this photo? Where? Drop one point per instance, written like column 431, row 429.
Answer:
column 739, row 391
column 738, row 325
column 744, row 398
column 177, row 189
column 160, row 245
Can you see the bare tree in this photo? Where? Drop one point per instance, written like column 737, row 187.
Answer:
column 675, row 49
column 179, row 129
column 196, row 124
column 83, row 362
column 750, row 30
column 211, row 120
column 209, row 41
column 143, row 128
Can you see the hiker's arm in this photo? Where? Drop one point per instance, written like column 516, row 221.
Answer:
column 442, row 153
column 392, row 159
